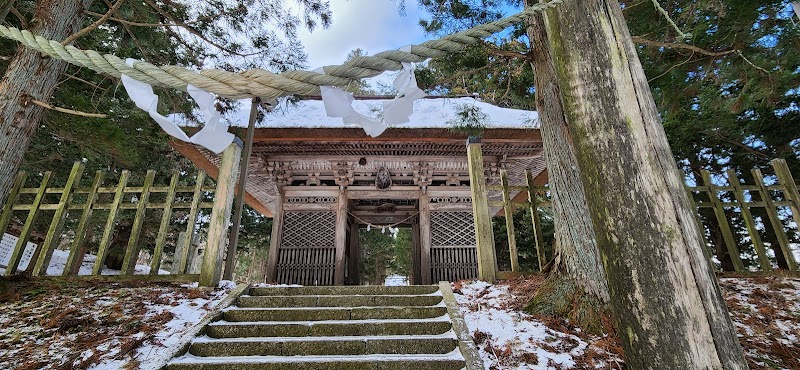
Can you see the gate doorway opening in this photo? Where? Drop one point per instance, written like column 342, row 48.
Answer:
column 383, row 254
column 383, row 240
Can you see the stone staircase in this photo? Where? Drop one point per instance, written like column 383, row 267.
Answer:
column 351, row 327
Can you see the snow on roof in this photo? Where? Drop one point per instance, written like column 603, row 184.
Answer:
column 428, row 113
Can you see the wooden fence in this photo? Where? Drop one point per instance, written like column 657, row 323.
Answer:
column 732, row 214
column 76, row 202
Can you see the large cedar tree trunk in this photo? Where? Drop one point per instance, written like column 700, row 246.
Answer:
column 577, row 275
column 32, row 75
column 667, row 305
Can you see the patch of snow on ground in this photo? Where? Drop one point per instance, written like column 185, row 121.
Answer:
column 110, row 325
column 153, row 354
column 59, row 260
column 509, row 339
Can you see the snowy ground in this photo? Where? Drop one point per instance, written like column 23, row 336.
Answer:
column 510, row 339
column 765, row 311
column 59, row 260
column 82, row 325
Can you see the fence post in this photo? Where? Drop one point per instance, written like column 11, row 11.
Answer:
column 57, row 224
column 722, row 219
column 111, row 221
column 790, row 187
column 163, row 228
column 696, row 212
column 132, row 251
column 183, row 244
column 749, row 222
column 536, row 220
column 777, row 225
column 77, row 251
column 211, row 269
column 8, row 208
column 25, row 234
column 487, row 265
column 508, row 207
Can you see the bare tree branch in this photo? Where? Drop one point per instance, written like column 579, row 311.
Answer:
column 94, row 25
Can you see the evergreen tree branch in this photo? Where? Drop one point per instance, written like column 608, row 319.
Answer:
column 673, row 45
column 94, row 25
column 6, row 8
column 191, row 29
column 22, row 21
column 177, row 24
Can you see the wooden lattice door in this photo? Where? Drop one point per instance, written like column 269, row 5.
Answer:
column 307, row 250
column 453, row 252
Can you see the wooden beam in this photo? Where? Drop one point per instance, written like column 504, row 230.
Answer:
column 211, row 270
column 538, row 237
column 487, row 262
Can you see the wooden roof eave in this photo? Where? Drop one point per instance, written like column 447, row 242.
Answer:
column 191, row 152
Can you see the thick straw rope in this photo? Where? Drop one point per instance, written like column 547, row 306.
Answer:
column 261, row 83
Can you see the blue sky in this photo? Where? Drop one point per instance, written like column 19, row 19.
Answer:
column 372, row 25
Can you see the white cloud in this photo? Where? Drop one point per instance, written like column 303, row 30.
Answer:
column 372, row 25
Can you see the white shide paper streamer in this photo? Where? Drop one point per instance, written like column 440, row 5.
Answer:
column 214, row 135
column 339, row 103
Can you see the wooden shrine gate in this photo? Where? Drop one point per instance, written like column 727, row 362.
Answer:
column 315, row 233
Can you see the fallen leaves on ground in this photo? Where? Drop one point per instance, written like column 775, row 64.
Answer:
column 49, row 324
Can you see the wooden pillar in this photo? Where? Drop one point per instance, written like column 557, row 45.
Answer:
column 230, row 259
column 275, row 238
column 341, row 236
column 425, row 239
column 355, row 255
column 416, row 246
column 484, row 239
column 508, row 207
column 211, row 270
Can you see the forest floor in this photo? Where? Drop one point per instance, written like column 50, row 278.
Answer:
column 765, row 311
column 46, row 324
column 81, row 325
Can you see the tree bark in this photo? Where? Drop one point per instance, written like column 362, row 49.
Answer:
column 32, row 76
column 667, row 304
column 576, row 254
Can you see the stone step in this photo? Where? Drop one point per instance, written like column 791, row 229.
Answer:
column 345, row 290
column 250, row 301
column 225, row 329
column 450, row 361
column 333, row 313
column 319, row 346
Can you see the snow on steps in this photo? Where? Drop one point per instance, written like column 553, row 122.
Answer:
column 349, row 328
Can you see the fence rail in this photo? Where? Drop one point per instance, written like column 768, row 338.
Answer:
column 26, row 206
column 777, row 205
